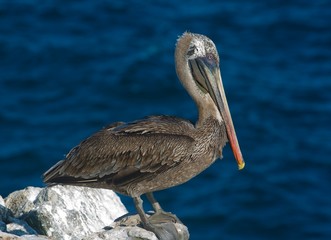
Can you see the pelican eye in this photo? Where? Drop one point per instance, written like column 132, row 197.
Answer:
column 211, row 60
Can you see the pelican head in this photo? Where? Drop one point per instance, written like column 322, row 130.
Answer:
column 197, row 66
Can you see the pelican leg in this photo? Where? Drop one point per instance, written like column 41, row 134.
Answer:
column 164, row 231
column 155, row 204
column 160, row 215
column 138, row 202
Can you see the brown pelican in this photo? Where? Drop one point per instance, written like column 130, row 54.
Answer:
column 158, row 152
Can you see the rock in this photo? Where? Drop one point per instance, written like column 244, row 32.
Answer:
column 21, row 202
column 128, row 233
column 34, row 237
column 19, row 227
column 131, row 231
column 11, row 227
column 4, row 211
column 9, row 236
column 3, row 226
column 2, row 202
column 63, row 212
column 70, row 212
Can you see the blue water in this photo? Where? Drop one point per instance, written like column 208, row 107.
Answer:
column 68, row 68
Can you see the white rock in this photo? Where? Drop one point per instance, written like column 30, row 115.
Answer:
column 22, row 202
column 9, row 236
column 72, row 213
column 122, row 233
column 4, row 235
column 2, row 202
column 69, row 212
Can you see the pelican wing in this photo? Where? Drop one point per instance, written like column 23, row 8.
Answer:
column 122, row 153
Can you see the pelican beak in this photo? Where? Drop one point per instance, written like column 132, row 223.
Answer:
column 207, row 73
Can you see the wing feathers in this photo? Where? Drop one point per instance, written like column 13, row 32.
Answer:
column 123, row 153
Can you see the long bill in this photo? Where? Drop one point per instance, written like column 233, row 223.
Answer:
column 210, row 72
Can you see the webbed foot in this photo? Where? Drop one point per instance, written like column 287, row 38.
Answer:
column 166, row 231
column 163, row 217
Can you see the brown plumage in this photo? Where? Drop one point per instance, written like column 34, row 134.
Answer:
column 137, row 157
column 158, row 152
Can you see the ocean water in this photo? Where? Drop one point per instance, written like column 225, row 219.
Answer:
column 68, row 68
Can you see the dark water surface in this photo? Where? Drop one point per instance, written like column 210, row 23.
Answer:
column 68, row 68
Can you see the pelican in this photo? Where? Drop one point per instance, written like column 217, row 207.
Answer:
column 158, row 152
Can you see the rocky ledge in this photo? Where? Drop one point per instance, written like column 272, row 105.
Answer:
column 69, row 212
